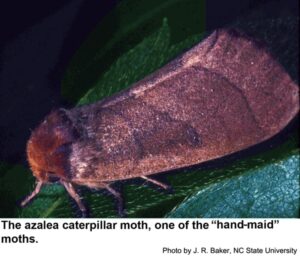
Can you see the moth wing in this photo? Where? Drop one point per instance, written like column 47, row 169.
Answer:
column 224, row 95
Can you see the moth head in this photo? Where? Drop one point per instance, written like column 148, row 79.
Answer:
column 49, row 146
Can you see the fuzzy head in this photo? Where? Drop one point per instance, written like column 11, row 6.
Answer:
column 49, row 147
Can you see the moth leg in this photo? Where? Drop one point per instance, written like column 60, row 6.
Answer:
column 71, row 190
column 33, row 194
column 116, row 194
column 113, row 192
column 119, row 198
column 156, row 182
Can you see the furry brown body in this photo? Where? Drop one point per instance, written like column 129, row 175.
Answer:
column 222, row 96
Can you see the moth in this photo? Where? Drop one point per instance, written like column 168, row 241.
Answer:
column 224, row 95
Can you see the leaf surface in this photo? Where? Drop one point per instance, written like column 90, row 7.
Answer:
column 266, row 191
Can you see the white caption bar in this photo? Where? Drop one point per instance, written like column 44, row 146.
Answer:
column 149, row 237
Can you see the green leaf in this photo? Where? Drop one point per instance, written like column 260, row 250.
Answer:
column 126, row 26
column 267, row 191
column 14, row 182
column 132, row 66
column 144, row 58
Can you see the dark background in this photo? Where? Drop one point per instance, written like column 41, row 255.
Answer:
column 38, row 39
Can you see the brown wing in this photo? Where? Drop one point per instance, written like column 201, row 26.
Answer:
column 222, row 96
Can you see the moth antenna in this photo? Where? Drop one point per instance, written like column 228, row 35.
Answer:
column 33, row 194
column 72, row 192
column 119, row 198
column 156, row 182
